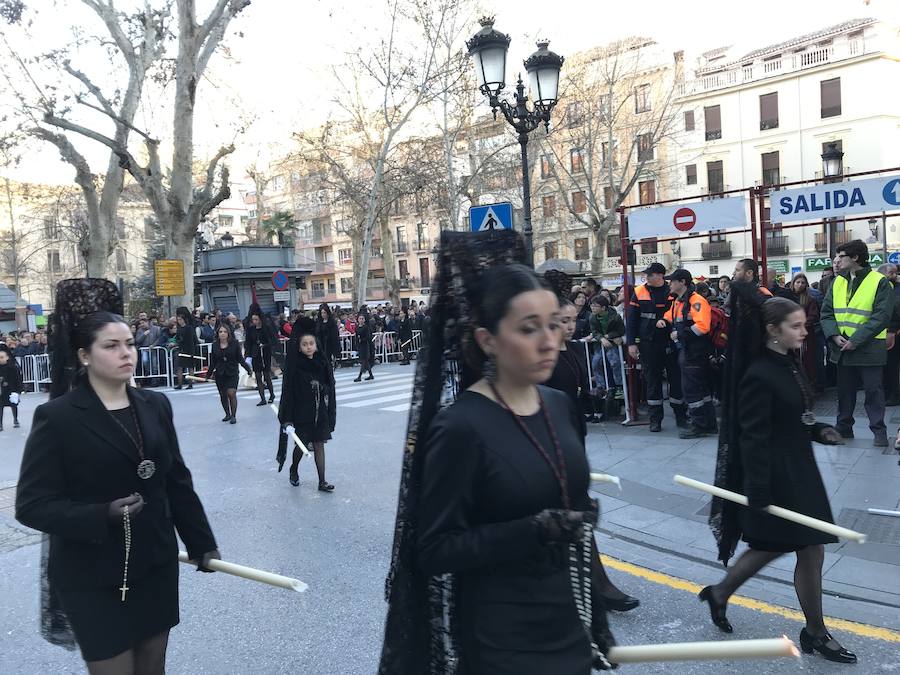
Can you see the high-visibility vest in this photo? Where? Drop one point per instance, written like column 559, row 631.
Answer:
column 852, row 313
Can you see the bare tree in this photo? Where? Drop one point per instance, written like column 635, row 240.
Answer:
column 176, row 203
column 135, row 40
column 619, row 110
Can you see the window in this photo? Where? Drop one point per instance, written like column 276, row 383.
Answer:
column 345, row 256
column 713, row 269
column 226, row 222
column 645, row 147
column 421, row 233
column 401, row 238
column 424, row 272
column 576, row 160
column 690, row 174
column 838, row 145
column 642, row 98
column 150, row 227
column 614, row 246
column 647, row 191
column 51, row 228
column 715, row 177
column 120, row 228
column 404, row 269
column 331, row 287
column 546, row 169
column 551, row 250
column 582, row 250
column 609, row 197
column 604, row 153
column 649, row 246
column 278, row 183
column 575, row 113
column 121, row 264
column 318, row 288
column 579, row 202
column 688, row 120
column 53, row 260
column 346, row 285
column 712, row 118
column 831, row 97
column 717, row 236
column 770, row 169
column 603, row 106
column 768, row 111
column 549, row 205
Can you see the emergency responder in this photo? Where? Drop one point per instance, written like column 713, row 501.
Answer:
column 688, row 321
column 650, row 343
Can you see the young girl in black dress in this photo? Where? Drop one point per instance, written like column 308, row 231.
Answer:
column 103, row 475
column 308, row 407
column 224, row 362
column 364, row 347
column 10, row 387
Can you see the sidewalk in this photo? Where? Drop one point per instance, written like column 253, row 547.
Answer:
column 655, row 523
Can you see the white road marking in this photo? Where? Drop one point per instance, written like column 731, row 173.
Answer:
column 395, row 389
column 403, row 407
column 374, row 401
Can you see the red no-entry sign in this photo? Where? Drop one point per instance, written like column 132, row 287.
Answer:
column 684, row 219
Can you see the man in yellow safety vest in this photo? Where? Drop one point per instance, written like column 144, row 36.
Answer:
column 854, row 317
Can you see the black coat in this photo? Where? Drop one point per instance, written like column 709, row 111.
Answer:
column 10, row 380
column 571, row 376
column 777, row 455
column 404, row 330
column 365, row 349
column 259, row 344
column 77, row 460
column 299, row 406
column 226, row 362
column 328, row 338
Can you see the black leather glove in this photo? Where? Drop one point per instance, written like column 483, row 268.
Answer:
column 600, row 632
column 203, row 564
column 561, row 525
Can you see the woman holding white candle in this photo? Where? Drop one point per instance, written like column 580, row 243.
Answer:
column 777, row 428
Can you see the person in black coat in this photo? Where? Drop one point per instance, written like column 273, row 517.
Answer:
column 259, row 342
column 308, row 406
column 327, row 334
column 777, row 428
column 365, row 348
column 102, row 467
column 10, row 387
column 225, row 360
column 404, row 337
column 185, row 357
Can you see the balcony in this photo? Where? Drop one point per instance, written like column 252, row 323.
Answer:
column 841, row 237
column 777, row 245
column 400, row 247
column 715, row 250
column 408, row 283
column 713, row 134
column 423, row 244
column 317, row 239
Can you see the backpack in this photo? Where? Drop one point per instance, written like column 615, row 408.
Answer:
column 718, row 328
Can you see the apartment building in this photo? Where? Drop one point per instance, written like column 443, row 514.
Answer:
column 766, row 117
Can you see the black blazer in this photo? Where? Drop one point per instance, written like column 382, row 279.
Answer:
column 225, row 363
column 77, row 460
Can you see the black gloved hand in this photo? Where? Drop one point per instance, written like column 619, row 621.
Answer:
column 561, row 525
column 604, row 640
column 203, row 564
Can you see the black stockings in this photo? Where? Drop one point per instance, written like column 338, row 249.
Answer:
column 267, row 374
column 15, row 409
column 147, row 658
column 365, row 366
column 807, row 581
column 319, row 456
column 228, row 399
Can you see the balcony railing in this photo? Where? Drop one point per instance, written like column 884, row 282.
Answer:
column 408, row 283
column 400, row 247
column 318, row 293
column 423, row 244
column 777, row 245
column 821, row 240
column 716, row 250
column 713, row 134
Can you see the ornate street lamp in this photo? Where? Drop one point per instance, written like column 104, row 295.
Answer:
column 488, row 48
column 227, row 240
column 832, row 161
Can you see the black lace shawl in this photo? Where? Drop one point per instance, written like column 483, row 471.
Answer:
column 745, row 339
column 75, row 299
column 419, row 630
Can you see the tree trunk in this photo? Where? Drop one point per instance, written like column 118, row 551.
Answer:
column 356, row 246
column 387, row 256
column 598, row 255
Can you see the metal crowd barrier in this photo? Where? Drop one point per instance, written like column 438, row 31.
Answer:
column 386, row 346
column 154, row 363
column 35, row 369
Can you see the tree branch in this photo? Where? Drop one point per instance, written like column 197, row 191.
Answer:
column 91, row 87
column 118, row 120
column 213, row 29
column 109, row 16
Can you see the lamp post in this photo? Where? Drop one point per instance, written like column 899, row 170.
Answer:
column 488, row 48
column 227, row 240
column 832, row 170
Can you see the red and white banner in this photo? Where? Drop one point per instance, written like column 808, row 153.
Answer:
column 672, row 220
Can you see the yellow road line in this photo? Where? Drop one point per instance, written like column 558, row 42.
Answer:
column 865, row 630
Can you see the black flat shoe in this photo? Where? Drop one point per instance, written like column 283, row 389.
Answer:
column 271, row 398
column 226, row 418
column 16, row 424
column 177, row 388
column 190, row 386
column 370, row 377
column 263, row 402
column 716, row 611
column 233, row 420
column 827, row 646
column 623, row 604
column 358, row 379
column 294, row 479
column 325, row 487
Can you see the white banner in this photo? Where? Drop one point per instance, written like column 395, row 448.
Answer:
column 815, row 202
column 671, row 220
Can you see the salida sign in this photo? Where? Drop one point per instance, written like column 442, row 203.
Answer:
column 836, row 199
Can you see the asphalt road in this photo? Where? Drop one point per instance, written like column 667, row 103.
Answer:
column 339, row 544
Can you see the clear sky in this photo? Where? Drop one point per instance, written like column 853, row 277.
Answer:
column 278, row 73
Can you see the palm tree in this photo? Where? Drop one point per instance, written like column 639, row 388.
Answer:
column 281, row 226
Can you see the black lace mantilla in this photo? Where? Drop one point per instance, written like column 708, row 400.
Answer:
column 419, row 630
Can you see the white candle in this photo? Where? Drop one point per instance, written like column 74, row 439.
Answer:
column 250, row 573
column 787, row 514
column 606, row 478
column 884, row 512
column 705, row 651
column 293, row 433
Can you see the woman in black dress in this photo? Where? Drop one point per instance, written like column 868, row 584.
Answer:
column 404, row 337
column 570, row 376
column 225, row 361
column 327, row 335
column 365, row 349
column 777, row 428
column 504, row 502
column 259, row 342
column 187, row 345
column 10, row 387
column 307, row 405
column 103, row 475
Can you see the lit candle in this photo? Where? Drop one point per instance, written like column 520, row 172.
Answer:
column 606, row 478
column 250, row 573
column 787, row 514
column 705, row 651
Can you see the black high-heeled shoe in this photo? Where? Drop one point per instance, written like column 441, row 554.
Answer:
column 716, row 610
column 294, row 479
column 624, row 604
column 827, row 646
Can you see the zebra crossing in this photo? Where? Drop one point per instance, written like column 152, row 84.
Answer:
column 390, row 391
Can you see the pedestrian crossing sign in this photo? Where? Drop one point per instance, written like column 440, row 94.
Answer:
column 489, row 217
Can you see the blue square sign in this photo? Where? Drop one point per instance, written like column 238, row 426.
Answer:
column 489, row 217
